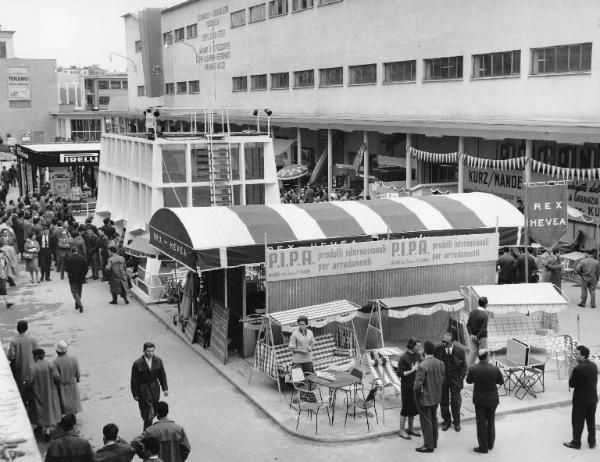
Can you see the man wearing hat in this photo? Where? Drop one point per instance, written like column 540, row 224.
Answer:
column 66, row 376
column 20, row 355
column 76, row 267
column 117, row 275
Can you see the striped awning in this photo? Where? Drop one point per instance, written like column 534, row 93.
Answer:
column 318, row 315
column 212, row 237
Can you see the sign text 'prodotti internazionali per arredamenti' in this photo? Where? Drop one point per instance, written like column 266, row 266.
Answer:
column 357, row 257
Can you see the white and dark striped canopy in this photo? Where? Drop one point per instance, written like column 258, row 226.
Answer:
column 222, row 232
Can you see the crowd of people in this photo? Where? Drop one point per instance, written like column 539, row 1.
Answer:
column 313, row 193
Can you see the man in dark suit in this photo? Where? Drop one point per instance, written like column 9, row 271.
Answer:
column 507, row 267
column 45, row 256
column 532, row 268
column 115, row 449
column 477, row 329
column 147, row 378
column 429, row 379
column 485, row 377
column 76, row 268
column 453, row 357
column 583, row 380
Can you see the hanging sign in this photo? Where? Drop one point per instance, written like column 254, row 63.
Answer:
column 547, row 213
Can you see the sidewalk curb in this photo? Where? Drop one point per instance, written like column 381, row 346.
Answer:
column 201, row 352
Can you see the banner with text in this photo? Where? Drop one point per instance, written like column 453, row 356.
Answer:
column 359, row 257
column 547, row 213
column 19, row 84
column 583, row 195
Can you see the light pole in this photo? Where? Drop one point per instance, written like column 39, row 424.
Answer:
column 124, row 57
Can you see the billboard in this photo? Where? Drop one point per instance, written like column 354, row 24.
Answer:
column 19, row 84
column 547, row 213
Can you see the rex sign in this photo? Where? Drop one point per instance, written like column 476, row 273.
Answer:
column 547, row 213
column 359, row 257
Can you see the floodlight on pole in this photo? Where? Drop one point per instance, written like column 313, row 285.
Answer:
column 124, row 57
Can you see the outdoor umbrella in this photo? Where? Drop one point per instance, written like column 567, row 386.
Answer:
column 292, row 172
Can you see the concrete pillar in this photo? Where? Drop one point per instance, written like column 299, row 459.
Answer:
column 329, row 163
column 461, row 166
column 528, row 149
column 299, row 157
column 366, row 165
column 408, row 161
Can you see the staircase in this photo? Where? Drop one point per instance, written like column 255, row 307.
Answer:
column 219, row 165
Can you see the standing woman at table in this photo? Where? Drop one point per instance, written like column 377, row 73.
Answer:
column 407, row 365
column 302, row 343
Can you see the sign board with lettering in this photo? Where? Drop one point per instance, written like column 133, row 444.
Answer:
column 358, row 257
column 215, row 50
column 79, row 158
column 219, row 331
column 19, row 84
column 547, row 213
column 173, row 247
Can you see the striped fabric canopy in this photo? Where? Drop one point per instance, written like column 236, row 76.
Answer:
column 318, row 315
column 214, row 231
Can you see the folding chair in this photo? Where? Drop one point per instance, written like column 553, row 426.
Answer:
column 384, row 376
column 363, row 403
column 309, row 402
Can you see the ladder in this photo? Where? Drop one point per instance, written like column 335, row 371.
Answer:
column 219, row 167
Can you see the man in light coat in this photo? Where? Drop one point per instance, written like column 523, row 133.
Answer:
column 44, row 408
column 117, row 276
column 66, row 376
column 429, row 380
column 589, row 271
column 20, row 355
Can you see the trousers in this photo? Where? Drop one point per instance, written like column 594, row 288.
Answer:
column 580, row 415
column 429, row 425
column 76, row 288
column 485, row 417
column 147, row 411
column 474, row 348
column 450, row 405
column 588, row 286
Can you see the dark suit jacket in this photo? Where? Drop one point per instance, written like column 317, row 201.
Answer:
column 69, row 447
column 456, row 365
column 119, row 451
column 145, row 382
column 477, row 323
column 508, row 268
column 584, row 380
column 485, row 377
column 429, row 379
column 76, row 267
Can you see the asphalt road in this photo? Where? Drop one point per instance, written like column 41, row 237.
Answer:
column 221, row 424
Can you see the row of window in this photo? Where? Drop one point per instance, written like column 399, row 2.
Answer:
column 276, row 8
column 112, row 84
column 549, row 60
column 191, row 87
column 177, row 35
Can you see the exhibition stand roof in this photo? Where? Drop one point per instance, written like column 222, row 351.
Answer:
column 217, row 237
column 59, row 154
column 521, row 298
column 318, row 315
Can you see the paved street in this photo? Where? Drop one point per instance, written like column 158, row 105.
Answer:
column 222, row 425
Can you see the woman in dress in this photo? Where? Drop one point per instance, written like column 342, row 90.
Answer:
column 407, row 365
column 32, row 249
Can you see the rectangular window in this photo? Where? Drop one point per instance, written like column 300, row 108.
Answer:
column 179, row 34
column 278, row 7
column 141, row 90
column 304, row 79
column 175, row 197
column 502, row 64
column 191, row 31
column 400, row 71
column 168, row 38
column 240, row 83
column 331, row 77
column 258, row 82
column 256, row 13
column 181, row 88
column 363, row 75
column 298, row 5
column 327, row 2
column 115, row 84
column 138, row 46
column 124, row 85
column 444, row 68
column 170, row 88
column 103, row 84
column 561, row 59
column 173, row 163
column 280, row 81
column 194, row 87
column 238, row 18
column 104, row 100
column 2, row 50
column 255, row 161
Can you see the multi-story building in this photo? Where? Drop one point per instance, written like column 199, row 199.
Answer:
column 27, row 95
column 438, row 76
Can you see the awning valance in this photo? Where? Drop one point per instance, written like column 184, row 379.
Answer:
column 318, row 315
column 59, row 154
column 521, row 298
column 424, row 305
column 214, row 237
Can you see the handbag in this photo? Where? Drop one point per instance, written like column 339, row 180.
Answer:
column 27, row 256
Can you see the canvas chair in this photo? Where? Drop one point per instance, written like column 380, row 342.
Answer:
column 363, row 403
column 309, row 402
column 384, row 376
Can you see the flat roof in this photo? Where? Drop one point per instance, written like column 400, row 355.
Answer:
column 61, row 147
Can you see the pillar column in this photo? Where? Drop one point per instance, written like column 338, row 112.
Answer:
column 528, row 149
column 329, row 163
column 461, row 166
column 299, row 156
column 366, row 165
column 408, row 161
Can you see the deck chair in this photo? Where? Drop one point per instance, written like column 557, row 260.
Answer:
column 383, row 376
